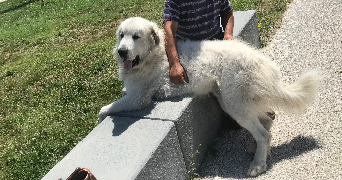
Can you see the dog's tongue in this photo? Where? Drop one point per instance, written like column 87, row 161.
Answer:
column 128, row 65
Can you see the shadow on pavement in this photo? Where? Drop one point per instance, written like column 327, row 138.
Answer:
column 228, row 158
column 297, row 146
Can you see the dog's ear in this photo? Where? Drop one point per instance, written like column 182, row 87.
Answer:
column 154, row 33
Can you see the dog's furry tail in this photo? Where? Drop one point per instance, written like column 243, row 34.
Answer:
column 296, row 96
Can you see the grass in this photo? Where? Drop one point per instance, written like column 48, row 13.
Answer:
column 57, row 71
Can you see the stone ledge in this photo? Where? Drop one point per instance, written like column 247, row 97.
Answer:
column 246, row 27
column 126, row 148
column 197, row 121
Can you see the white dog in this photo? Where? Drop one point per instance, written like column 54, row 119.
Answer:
column 245, row 82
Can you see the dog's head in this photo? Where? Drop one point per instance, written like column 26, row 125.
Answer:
column 136, row 39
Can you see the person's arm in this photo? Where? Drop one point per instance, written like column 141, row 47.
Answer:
column 227, row 22
column 177, row 72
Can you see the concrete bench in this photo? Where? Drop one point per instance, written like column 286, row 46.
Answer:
column 158, row 142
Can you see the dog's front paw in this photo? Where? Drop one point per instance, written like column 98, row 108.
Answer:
column 256, row 168
column 102, row 116
column 103, row 113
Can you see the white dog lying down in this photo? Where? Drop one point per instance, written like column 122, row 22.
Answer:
column 245, row 82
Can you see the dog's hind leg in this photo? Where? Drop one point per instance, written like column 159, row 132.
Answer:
column 261, row 135
column 266, row 121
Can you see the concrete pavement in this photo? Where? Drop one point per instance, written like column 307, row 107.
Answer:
column 308, row 145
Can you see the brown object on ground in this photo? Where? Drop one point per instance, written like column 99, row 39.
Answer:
column 81, row 174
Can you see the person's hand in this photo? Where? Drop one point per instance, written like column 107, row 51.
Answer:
column 228, row 37
column 178, row 74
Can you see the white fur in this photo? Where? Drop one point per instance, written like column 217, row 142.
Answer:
column 245, row 82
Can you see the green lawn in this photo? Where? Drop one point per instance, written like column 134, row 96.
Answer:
column 57, row 70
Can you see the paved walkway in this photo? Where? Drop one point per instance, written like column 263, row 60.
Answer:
column 309, row 145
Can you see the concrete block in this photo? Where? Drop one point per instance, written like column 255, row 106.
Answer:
column 197, row 121
column 126, row 148
column 246, row 27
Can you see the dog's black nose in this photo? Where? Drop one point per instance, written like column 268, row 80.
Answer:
column 123, row 53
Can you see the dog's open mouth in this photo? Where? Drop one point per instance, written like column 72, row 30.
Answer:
column 128, row 64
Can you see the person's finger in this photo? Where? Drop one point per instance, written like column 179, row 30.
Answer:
column 179, row 77
column 181, row 80
column 177, row 80
column 185, row 77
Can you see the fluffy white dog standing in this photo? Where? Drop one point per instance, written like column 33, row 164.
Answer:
column 245, row 82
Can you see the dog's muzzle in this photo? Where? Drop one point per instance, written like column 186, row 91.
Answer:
column 128, row 64
column 123, row 53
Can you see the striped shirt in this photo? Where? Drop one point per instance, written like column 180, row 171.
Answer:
column 197, row 19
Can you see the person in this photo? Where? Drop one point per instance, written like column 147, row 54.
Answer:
column 194, row 20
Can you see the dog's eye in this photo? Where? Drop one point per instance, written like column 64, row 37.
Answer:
column 121, row 35
column 135, row 37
